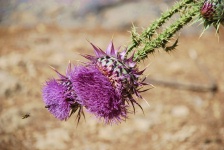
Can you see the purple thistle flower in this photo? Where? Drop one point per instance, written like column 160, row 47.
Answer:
column 54, row 98
column 122, row 72
column 60, row 98
column 104, row 86
column 98, row 95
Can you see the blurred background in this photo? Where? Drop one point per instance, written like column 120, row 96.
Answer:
column 186, row 106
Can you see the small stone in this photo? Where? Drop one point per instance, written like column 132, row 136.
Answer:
column 9, row 84
column 180, row 111
column 54, row 139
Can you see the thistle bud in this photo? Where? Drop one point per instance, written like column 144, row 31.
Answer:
column 212, row 12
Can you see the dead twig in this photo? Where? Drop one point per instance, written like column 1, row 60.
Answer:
column 185, row 86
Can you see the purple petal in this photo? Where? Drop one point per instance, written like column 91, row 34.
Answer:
column 100, row 98
column 53, row 97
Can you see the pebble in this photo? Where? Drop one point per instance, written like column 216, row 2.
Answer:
column 180, row 111
column 54, row 139
column 9, row 84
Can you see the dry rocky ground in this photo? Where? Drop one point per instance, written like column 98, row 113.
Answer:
column 177, row 119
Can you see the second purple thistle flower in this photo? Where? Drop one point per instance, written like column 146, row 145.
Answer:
column 104, row 86
column 212, row 12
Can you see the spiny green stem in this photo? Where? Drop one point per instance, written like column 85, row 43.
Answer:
column 148, row 33
column 159, row 22
column 164, row 37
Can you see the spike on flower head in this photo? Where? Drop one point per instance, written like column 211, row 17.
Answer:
column 98, row 51
column 121, row 72
column 110, row 50
column 59, row 96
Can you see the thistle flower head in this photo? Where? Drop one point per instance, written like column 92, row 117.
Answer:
column 59, row 96
column 55, row 100
column 212, row 12
column 119, row 70
column 98, row 95
column 105, row 87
